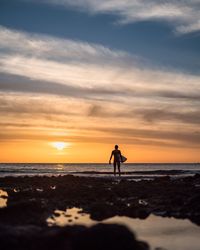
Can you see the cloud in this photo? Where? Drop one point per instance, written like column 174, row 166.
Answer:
column 62, row 61
column 193, row 27
column 85, row 66
column 19, row 105
column 30, row 63
column 55, row 49
column 165, row 138
column 184, row 15
column 189, row 95
column 14, row 83
column 94, row 87
column 156, row 115
column 192, row 137
column 20, row 84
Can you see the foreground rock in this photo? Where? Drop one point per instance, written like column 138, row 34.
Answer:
column 99, row 237
column 31, row 200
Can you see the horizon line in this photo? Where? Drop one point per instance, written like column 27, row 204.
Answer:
column 98, row 163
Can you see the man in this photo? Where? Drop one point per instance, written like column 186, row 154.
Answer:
column 116, row 153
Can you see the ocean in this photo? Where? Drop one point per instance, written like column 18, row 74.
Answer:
column 129, row 170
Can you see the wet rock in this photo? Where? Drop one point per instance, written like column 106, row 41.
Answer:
column 143, row 202
column 194, row 201
column 102, row 198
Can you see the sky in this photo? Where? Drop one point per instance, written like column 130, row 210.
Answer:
column 79, row 76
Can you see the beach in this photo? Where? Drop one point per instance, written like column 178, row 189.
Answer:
column 100, row 125
column 30, row 201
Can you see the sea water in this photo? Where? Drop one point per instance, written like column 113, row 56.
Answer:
column 99, row 169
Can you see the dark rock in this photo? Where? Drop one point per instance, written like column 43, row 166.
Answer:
column 103, row 236
column 99, row 237
column 101, row 198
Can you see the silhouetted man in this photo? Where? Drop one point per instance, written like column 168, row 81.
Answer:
column 117, row 159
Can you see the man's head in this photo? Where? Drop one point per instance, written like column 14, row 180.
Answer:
column 116, row 146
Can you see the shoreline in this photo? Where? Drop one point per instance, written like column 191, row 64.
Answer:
column 99, row 170
column 143, row 174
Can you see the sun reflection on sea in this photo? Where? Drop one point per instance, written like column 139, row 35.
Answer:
column 59, row 167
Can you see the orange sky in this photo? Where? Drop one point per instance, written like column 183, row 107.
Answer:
column 90, row 131
column 73, row 151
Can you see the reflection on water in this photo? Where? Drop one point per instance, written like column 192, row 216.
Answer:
column 159, row 232
column 70, row 217
column 167, row 233
column 3, row 198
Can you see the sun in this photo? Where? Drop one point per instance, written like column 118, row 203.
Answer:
column 59, row 145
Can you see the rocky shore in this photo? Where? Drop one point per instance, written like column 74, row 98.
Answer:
column 31, row 200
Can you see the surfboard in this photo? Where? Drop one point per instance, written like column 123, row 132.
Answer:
column 123, row 159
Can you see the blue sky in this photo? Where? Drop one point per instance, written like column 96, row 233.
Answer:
column 154, row 39
column 89, row 62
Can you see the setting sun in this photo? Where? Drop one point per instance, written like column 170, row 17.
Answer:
column 60, row 145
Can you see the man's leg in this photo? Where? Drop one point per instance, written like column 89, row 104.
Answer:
column 118, row 164
column 114, row 165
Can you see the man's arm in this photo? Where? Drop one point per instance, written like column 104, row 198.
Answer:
column 111, row 157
